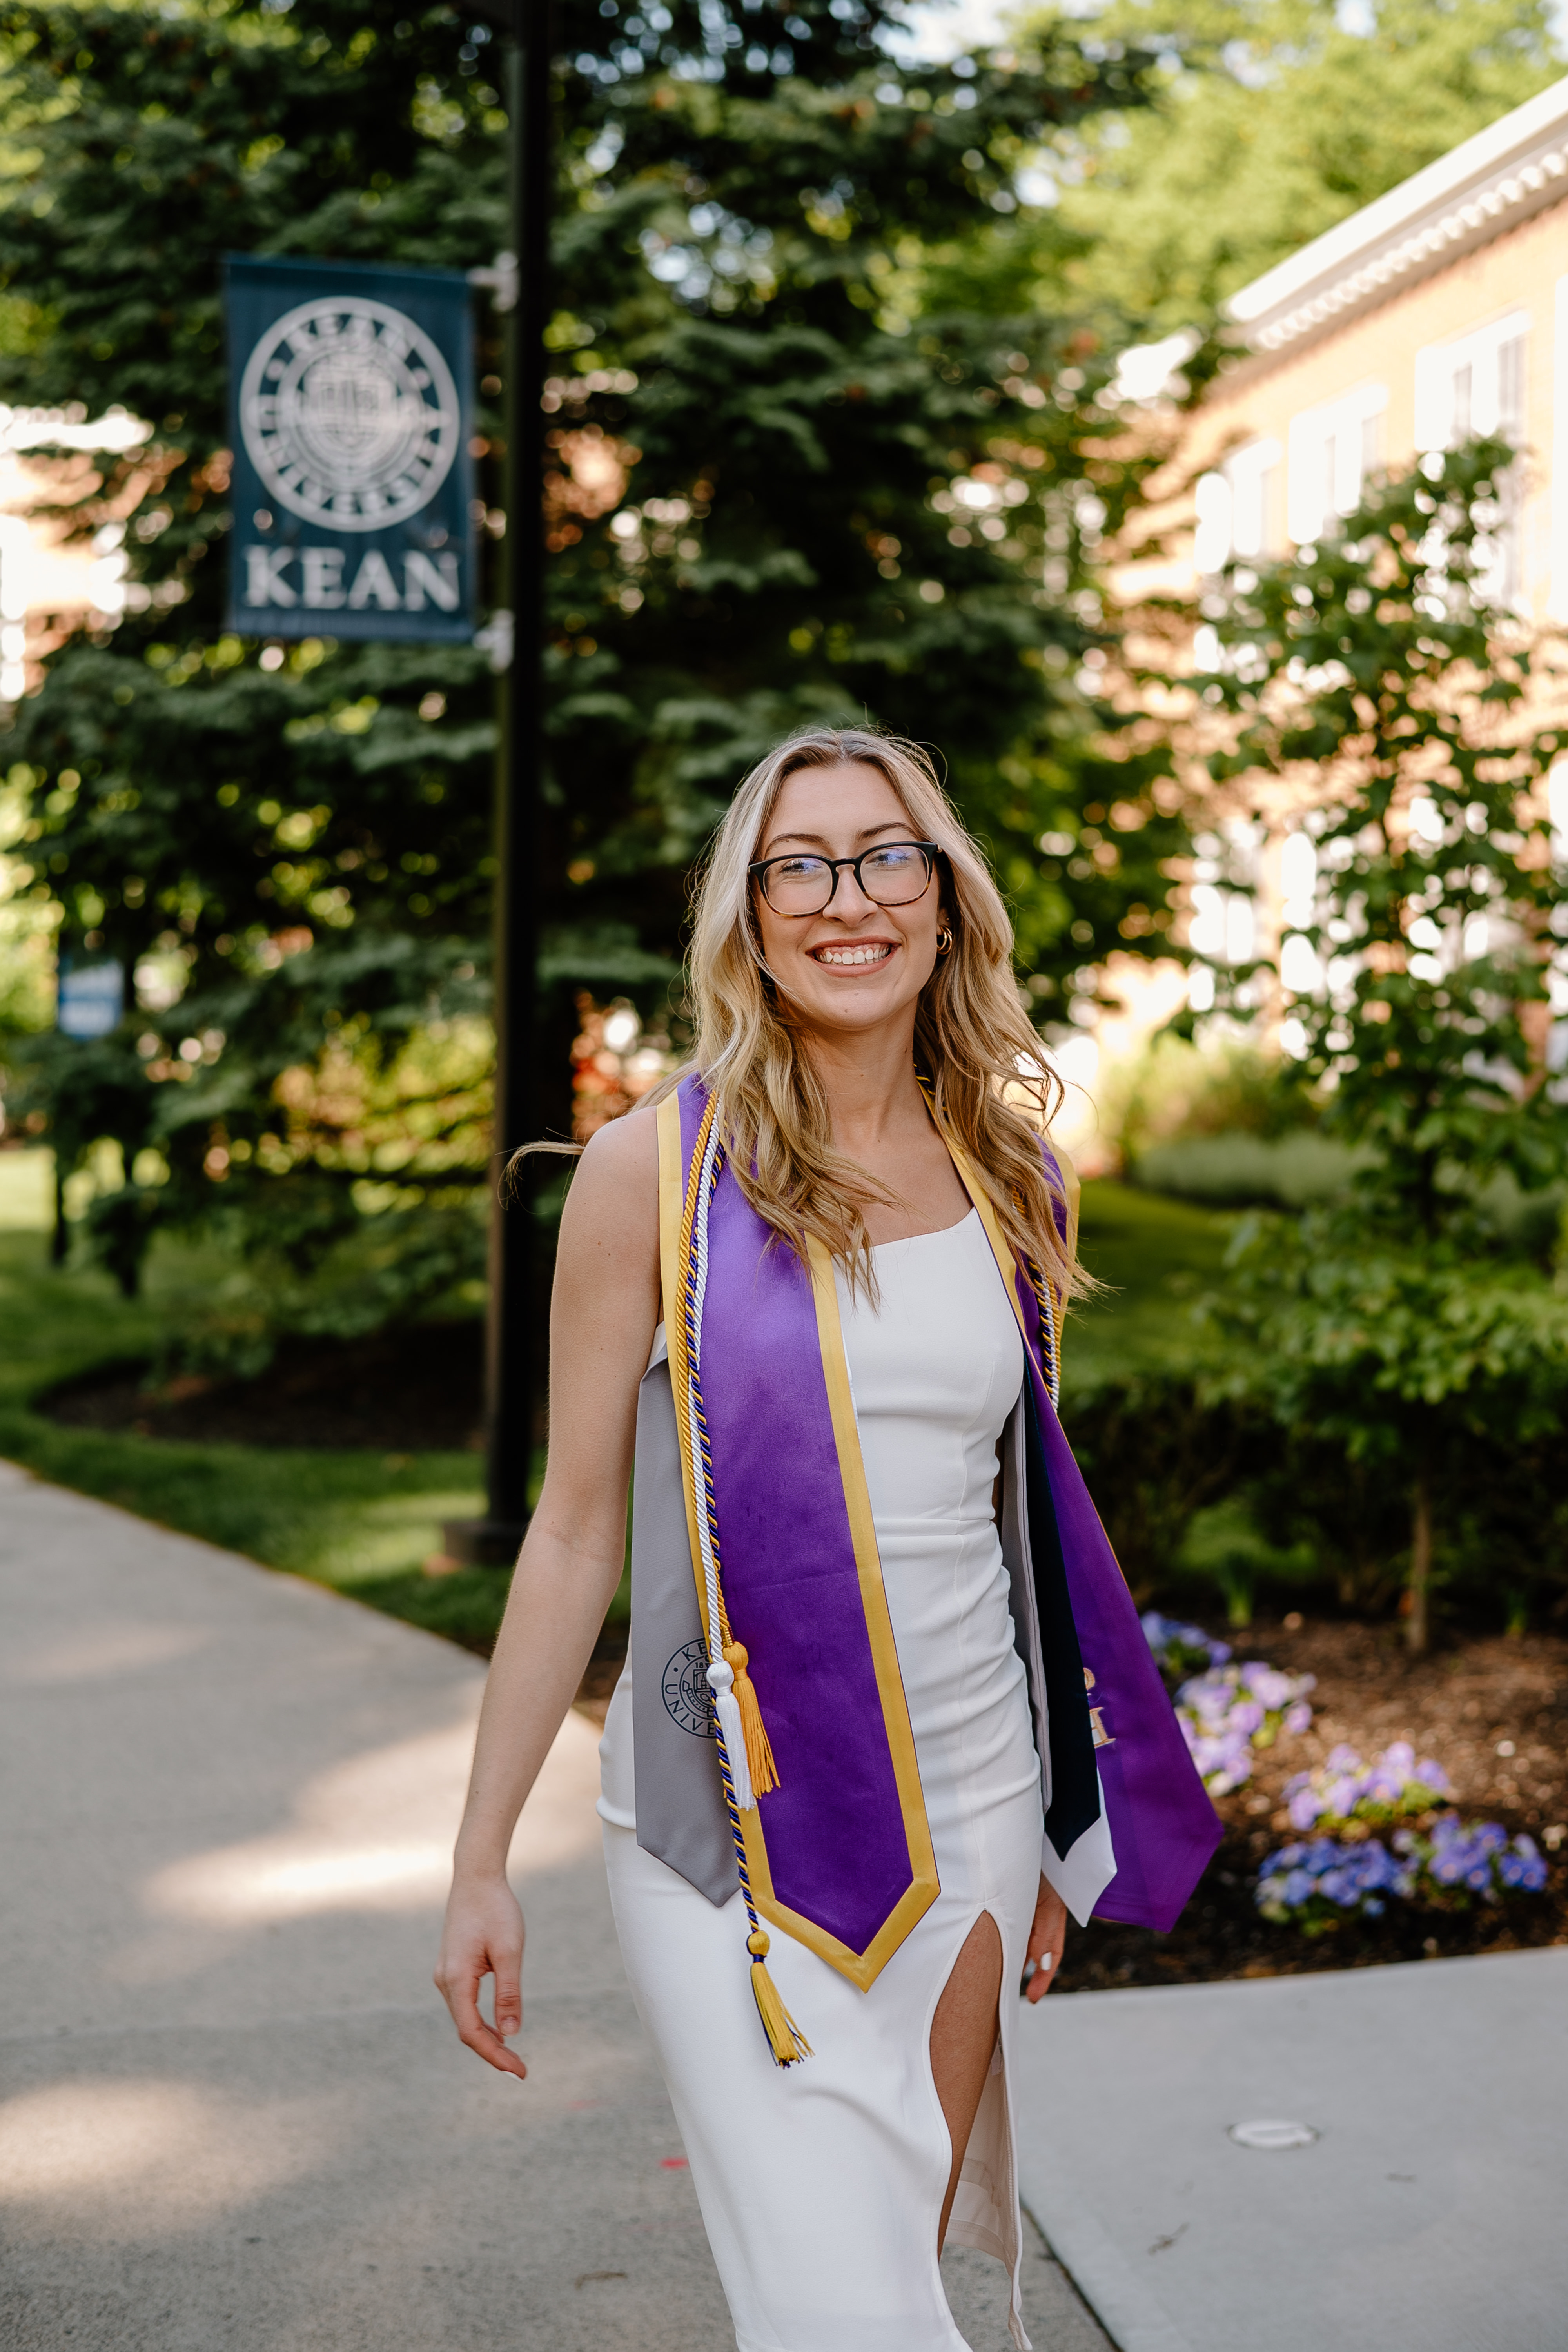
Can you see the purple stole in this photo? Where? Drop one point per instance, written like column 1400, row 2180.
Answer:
column 839, row 1854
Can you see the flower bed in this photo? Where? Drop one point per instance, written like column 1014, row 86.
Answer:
column 1227, row 1712
column 1315, row 1885
column 1494, row 1709
column 1394, row 1787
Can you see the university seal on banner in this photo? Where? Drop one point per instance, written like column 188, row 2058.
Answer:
column 350, row 414
column 687, row 1698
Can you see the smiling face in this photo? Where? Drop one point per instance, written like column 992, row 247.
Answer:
column 856, row 965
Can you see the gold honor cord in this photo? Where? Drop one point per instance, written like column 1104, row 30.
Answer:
column 785, row 2040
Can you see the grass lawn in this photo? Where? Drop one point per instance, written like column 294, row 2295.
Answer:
column 364, row 1522
column 1155, row 1257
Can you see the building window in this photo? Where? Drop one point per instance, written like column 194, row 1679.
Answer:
column 1475, row 385
column 1334, row 449
column 1236, row 508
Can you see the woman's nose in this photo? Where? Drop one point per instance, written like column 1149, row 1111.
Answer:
column 848, row 901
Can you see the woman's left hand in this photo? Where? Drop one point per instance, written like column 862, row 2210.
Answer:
column 1047, row 1940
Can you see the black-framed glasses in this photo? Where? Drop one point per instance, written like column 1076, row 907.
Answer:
column 894, row 874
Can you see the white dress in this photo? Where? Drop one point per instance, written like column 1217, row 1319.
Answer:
column 821, row 2185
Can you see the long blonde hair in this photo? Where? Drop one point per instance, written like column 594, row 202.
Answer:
column 981, row 1062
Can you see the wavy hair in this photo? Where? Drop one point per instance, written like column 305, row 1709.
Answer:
column 978, row 1056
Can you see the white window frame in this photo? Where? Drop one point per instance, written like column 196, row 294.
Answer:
column 1440, row 423
column 1333, row 448
column 1493, row 400
column 1233, row 502
column 1558, row 604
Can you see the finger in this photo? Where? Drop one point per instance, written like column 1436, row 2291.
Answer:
column 509, row 1992
column 1044, row 1976
column 462, row 1999
column 489, row 2046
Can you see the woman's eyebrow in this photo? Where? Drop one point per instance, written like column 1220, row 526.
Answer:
column 820, row 840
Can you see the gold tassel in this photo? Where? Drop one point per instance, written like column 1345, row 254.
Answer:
column 759, row 1750
column 788, row 2044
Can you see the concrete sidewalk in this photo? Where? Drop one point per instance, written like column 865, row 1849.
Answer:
column 233, row 2115
column 1427, row 2216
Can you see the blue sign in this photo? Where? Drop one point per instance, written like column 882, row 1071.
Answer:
column 351, row 410
column 91, row 997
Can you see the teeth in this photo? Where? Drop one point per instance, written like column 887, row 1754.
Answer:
column 852, row 955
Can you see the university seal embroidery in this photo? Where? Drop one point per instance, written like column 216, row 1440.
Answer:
column 350, row 413
column 685, row 1694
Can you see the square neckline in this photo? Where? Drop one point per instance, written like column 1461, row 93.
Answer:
column 934, row 1235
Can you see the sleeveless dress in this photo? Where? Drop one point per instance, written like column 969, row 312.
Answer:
column 821, row 2186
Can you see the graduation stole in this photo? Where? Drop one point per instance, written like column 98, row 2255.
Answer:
column 817, row 1756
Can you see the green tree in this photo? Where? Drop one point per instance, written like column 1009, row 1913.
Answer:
column 823, row 438
column 874, row 464
column 1416, row 1318
column 290, row 854
column 1278, row 119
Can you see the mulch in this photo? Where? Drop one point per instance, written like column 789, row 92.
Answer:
column 399, row 1391
column 1473, row 1698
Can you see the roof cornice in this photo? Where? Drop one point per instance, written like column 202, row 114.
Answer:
column 1489, row 184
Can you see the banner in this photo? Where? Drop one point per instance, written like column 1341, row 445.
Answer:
column 351, row 411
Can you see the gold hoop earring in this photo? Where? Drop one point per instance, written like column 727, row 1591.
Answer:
column 944, row 940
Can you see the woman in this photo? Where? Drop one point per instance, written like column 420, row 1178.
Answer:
column 882, row 1665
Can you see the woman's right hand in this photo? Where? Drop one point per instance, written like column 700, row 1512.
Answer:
column 483, row 1937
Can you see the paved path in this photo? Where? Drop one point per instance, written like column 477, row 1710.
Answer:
column 233, row 2117
column 1427, row 2216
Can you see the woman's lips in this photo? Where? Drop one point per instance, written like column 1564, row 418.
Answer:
column 853, row 955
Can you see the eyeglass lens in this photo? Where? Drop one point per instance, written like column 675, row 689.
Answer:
column 893, row 877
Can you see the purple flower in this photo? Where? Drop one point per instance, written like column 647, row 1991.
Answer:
column 1164, row 1634
column 1304, row 1808
column 1433, row 1774
column 1523, row 1866
column 1297, row 1715
column 1344, row 1760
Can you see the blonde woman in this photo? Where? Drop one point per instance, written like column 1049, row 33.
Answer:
column 889, row 1714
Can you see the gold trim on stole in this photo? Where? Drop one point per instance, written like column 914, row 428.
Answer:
column 671, row 1209
column 862, row 1969
column 1001, row 1248
column 1007, row 1265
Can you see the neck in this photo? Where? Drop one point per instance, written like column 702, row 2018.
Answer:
column 868, row 1077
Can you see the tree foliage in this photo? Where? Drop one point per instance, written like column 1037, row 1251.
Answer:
column 824, row 440
column 872, row 467
column 1278, row 117
column 1409, row 1319
column 290, row 855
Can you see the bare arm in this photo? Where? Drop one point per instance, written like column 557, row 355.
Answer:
column 602, row 1314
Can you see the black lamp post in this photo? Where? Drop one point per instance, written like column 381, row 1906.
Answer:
column 516, row 1301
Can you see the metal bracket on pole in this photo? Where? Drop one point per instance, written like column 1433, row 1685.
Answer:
column 501, row 281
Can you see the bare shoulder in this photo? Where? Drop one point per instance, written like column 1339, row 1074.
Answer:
column 620, row 1163
column 613, row 1202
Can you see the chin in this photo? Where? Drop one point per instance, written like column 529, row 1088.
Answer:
column 854, row 1003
